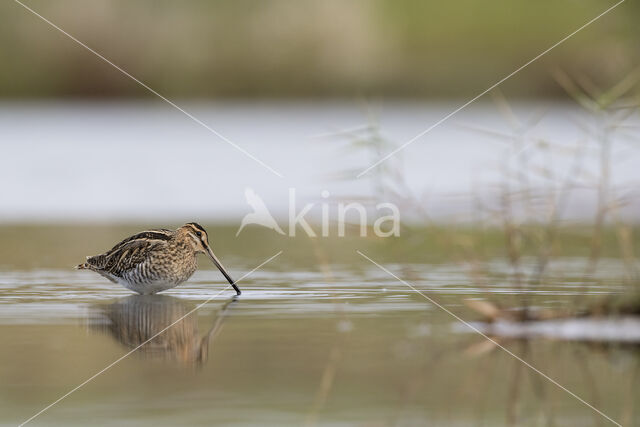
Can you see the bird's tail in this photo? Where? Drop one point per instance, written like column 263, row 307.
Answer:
column 84, row 265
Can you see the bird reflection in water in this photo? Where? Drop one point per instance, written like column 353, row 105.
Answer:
column 135, row 319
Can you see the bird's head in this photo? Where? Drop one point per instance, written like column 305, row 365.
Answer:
column 199, row 240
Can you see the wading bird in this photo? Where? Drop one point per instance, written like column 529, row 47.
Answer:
column 155, row 260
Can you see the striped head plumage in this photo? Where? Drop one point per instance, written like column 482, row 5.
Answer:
column 155, row 260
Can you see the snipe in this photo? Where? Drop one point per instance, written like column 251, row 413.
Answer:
column 155, row 260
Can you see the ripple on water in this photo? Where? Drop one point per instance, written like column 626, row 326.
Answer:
column 64, row 295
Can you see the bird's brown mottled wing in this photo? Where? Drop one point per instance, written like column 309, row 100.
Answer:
column 156, row 234
column 126, row 255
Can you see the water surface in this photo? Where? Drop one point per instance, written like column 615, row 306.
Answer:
column 142, row 161
column 343, row 345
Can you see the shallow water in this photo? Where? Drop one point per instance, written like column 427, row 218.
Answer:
column 349, row 345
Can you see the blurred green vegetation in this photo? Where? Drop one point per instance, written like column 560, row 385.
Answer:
column 56, row 246
column 276, row 48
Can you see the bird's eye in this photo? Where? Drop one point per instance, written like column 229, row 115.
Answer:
column 199, row 234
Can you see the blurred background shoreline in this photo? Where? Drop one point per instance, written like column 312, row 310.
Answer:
column 307, row 49
column 284, row 80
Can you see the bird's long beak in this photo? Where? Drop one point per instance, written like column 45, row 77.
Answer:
column 222, row 269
